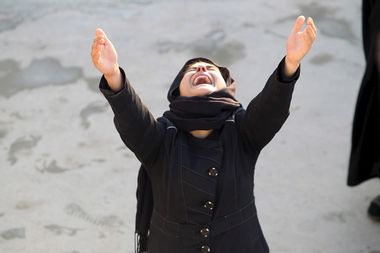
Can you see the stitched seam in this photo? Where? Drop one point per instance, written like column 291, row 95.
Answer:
column 182, row 181
column 216, row 148
column 198, row 211
column 207, row 158
column 208, row 178
column 198, row 189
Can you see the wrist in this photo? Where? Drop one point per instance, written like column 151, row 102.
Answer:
column 291, row 66
column 114, row 80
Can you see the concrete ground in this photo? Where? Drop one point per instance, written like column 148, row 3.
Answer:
column 67, row 181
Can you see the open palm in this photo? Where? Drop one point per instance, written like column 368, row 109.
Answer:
column 300, row 42
column 104, row 55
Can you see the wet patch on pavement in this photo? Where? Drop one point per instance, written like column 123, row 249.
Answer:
column 322, row 58
column 40, row 72
column 327, row 23
column 51, row 167
column 92, row 108
column 15, row 13
column 61, row 230
column 9, row 20
column 248, row 25
column 17, row 115
column 142, row 2
column 3, row 133
column 212, row 45
column 77, row 211
column 93, row 83
column 14, row 233
column 98, row 160
column 226, row 53
column 22, row 146
column 339, row 217
column 25, row 205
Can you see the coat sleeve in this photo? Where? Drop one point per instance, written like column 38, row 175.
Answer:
column 137, row 127
column 267, row 112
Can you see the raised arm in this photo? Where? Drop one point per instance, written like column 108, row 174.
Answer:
column 268, row 111
column 135, row 124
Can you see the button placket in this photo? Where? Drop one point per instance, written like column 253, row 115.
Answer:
column 213, row 172
column 205, row 232
column 209, row 205
column 205, row 249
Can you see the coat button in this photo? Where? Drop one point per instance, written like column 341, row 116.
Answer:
column 205, row 249
column 213, row 172
column 205, row 232
column 209, row 205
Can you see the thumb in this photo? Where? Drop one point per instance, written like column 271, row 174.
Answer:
column 298, row 24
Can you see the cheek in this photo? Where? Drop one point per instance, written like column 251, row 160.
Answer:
column 220, row 83
column 182, row 87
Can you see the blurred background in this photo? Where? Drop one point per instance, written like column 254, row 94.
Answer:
column 67, row 182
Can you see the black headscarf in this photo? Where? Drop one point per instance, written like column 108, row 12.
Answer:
column 187, row 114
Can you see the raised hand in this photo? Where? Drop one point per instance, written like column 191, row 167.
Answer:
column 104, row 57
column 299, row 43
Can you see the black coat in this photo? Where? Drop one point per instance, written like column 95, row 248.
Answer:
column 203, row 188
column 365, row 149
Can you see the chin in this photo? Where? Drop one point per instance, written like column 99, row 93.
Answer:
column 203, row 91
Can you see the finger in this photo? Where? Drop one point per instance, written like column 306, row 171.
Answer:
column 98, row 45
column 298, row 24
column 99, row 41
column 96, row 58
column 95, row 53
column 311, row 32
column 310, row 22
column 101, row 37
column 99, row 32
column 311, row 35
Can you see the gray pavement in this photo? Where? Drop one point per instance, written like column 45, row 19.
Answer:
column 67, row 181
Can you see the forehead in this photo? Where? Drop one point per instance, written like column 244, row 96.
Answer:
column 200, row 63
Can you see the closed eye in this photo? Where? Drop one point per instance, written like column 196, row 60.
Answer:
column 212, row 68
column 191, row 69
column 208, row 67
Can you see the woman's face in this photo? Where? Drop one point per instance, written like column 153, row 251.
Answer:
column 201, row 79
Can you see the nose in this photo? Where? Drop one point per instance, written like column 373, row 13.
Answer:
column 202, row 68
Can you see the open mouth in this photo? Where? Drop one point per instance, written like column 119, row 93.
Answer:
column 202, row 79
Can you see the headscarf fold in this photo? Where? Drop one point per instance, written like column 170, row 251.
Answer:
column 203, row 112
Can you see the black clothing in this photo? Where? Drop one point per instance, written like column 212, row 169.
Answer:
column 365, row 147
column 203, row 188
column 374, row 209
column 202, row 112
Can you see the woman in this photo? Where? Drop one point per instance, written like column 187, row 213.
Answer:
column 364, row 163
column 196, row 182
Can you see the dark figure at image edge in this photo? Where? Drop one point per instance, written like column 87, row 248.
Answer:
column 365, row 149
